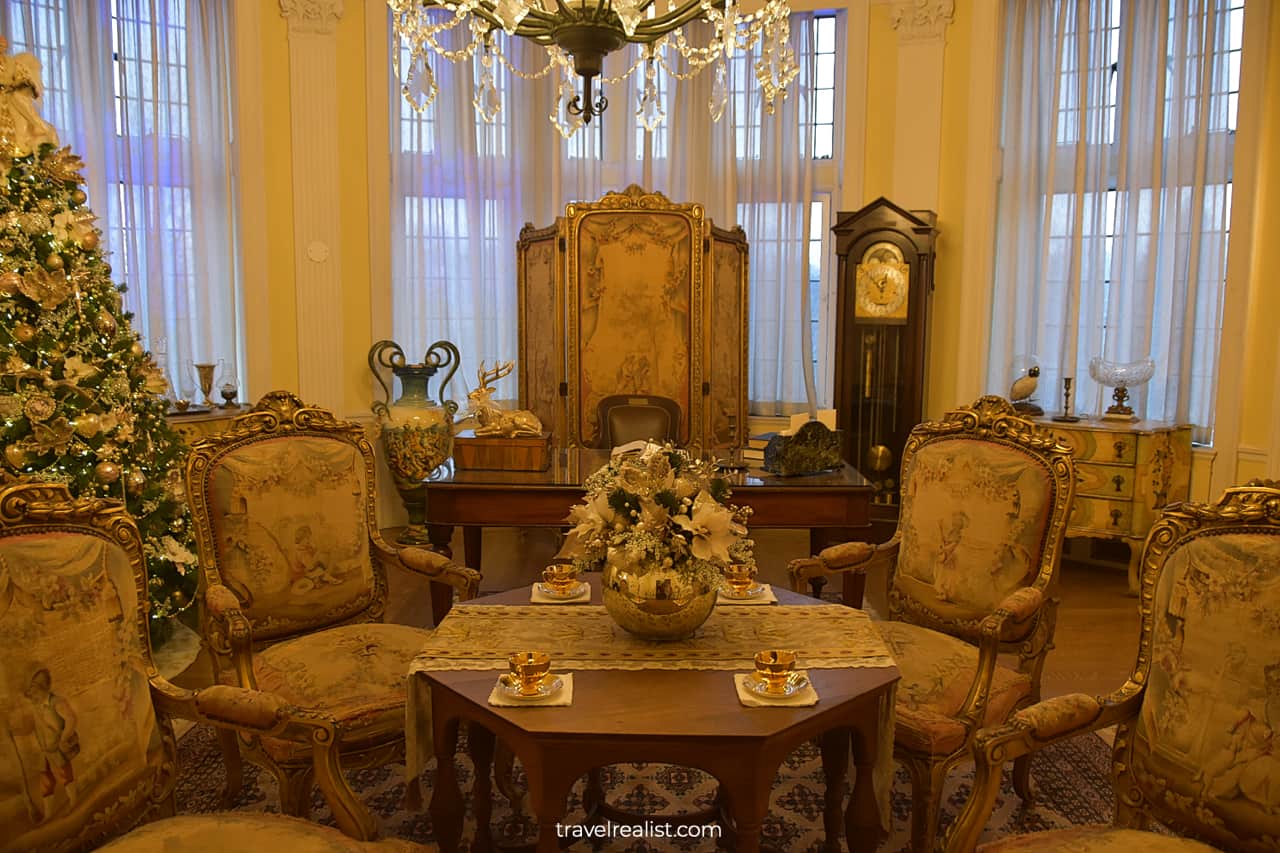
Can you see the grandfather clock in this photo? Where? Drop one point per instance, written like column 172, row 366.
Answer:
column 884, row 281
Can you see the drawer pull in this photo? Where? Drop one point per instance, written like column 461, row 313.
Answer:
column 1118, row 480
column 1115, row 517
column 1119, row 446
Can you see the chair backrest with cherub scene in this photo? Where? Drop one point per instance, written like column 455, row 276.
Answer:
column 985, row 499
column 1203, row 754
column 283, row 504
column 84, row 753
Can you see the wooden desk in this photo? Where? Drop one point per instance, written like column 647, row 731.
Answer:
column 686, row 717
column 477, row 499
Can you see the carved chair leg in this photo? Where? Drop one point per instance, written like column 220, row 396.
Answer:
column 295, row 791
column 1130, row 817
column 1022, row 780
column 229, row 744
column 926, row 802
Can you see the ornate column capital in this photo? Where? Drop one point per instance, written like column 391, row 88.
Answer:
column 921, row 20
column 311, row 16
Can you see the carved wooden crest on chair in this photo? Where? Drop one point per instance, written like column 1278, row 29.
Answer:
column 286, row 524
column 1198, row 721
column 91, row 749
column 985, row 500
column 634, row 294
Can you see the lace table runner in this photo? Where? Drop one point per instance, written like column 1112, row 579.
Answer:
column 479, row 637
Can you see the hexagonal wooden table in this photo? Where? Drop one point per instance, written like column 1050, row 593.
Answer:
column 686, row 717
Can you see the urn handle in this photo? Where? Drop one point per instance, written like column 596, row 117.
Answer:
column 444, row 354
column 389, row 354
column 385, row 353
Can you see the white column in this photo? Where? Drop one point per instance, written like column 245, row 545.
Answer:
column 921, row 27
column 313, row 86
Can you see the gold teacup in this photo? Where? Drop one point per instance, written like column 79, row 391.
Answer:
column 774, row 667
column 560, row 577
column 529, row 670
column 740, row 577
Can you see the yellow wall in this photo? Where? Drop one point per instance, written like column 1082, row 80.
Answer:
column 970, row 81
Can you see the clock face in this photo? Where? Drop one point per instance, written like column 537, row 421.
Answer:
column 881, row 283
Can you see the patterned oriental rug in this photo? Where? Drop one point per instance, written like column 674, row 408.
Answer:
column 1071, row 780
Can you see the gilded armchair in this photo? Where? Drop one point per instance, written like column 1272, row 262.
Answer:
column 971, row 568
column 89, row 749
column 1197, row 743
column 293, row 586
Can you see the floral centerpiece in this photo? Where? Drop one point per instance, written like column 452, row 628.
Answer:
column 660, row 526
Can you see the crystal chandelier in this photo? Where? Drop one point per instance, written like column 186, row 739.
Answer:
column 579, row 34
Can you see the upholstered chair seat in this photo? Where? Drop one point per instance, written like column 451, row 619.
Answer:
column 1197, row 723
column 624, row 418
column 90, row 747
column 230, row 831
column 293, row 586
column 984, row 503
column 937, row 671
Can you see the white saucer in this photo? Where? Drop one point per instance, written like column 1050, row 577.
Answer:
column 759, row 687
column 572, row 592
column 511, row 689
column 756, row 589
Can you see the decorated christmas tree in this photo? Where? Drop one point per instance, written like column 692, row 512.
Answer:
column 81, row 400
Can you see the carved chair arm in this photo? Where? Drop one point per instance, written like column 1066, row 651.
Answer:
column 437, row 567
column 1027, row 731
column 1005, row 623
column 229, row 633
column 259, row 713
column 1013, row 613
column 858, row 557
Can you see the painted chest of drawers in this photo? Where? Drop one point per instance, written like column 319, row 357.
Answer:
column 1125, row 474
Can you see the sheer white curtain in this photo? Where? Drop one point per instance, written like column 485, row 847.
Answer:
column 1115, row 196
column 141, row 90
column 461, row 191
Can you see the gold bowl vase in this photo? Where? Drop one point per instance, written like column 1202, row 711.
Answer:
column 655, row 603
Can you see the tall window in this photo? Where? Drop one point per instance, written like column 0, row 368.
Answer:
column 1115, row 199
column 140, row 89
column 463, row 189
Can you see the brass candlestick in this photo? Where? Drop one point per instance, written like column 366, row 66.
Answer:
column 1066, row 416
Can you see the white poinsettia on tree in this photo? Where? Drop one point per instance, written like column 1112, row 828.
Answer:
column 663, row 507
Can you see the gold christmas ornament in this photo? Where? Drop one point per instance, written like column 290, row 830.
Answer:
column 78, row 197
column 46, row 205
column 34, row 222
column 135, row 480
column 90, row 240
column 105, row 323
column 106, row 472
column 39, row 407
column 10, row 283
column 24, row 332
column 137, row 348
column 53, row 262
column 16, row 455
column 88, row 425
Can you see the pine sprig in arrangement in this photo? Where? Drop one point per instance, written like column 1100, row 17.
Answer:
column 80, row 398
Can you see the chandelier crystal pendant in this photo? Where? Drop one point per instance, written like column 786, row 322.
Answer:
column 578, row 34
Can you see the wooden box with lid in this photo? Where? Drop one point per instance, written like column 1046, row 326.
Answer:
column 1126, row 473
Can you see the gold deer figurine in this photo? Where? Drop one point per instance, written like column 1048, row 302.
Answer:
column 491, row 420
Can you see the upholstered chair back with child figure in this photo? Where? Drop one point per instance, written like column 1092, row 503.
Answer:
column 985, row 498
column 1197, row 723
column 88, row 749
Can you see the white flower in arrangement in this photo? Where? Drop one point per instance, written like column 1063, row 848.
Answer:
column 75, row 369
column 662, row 507
column 174, row 552
column 73, row 226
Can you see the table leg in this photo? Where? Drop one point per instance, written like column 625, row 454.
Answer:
column 471, row 545
column 835, row 768
column 440, row 536
column 862, row 819
column 480, row 745
column 446, row 797
column 747, row 796
column 549, row 787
